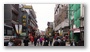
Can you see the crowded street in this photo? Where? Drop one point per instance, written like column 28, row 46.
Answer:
column 43, row 25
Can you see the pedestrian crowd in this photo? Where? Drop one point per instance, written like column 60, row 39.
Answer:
column 43, row 40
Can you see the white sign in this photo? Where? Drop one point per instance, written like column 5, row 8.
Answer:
column 20, row 29
column 74, row 26
column 76, row 30
column 16, row 27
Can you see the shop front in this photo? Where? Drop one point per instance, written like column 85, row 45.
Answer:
column 76, row 34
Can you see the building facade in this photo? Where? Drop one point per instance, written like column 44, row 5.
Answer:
column 29, row 20
column 61, row 20
column 75, row 24
column 11, row 15
column 82, row 23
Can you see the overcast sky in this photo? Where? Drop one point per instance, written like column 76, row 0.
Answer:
column 44, row 14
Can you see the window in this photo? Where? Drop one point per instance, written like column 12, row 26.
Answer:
column 9, row 32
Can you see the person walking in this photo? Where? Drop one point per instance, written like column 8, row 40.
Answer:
column 41, row 39
column 51, row 40
column 26, row 41
column 35, row 40
column 17, row 41
column 45, row 43
column 10, row 43
column 31, row 39
column 56, row 43
column 38, row 40
column 62, row 43
column 46, row 38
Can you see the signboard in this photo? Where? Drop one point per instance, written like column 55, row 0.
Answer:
column 16, row 27
column 20, row 29
column 24, row 16
column 27, row 7
column 76, row 30
column 23, row 34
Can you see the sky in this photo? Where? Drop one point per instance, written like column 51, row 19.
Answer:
column 44, row 14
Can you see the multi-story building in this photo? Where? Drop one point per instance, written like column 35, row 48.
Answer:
column 29, row 18
column 82, row 22
column 75, row 15
column 10, row 19
column 61, row 20
column 11, row 14
column 23, row 21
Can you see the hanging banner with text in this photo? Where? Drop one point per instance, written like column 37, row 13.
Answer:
column 16, row 27
column 20, row 29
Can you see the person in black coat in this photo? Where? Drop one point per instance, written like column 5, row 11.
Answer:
column 45, row 43
column 25, row 41
column 51, row 40
column 62, row 43
column 35, row 40
column 46, row 39
column 56, row 43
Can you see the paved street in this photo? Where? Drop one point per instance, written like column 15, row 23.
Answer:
column 60, row 23
column 67, row 44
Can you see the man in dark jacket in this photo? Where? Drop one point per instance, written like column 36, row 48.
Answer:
column 46, row 39
column 35, row 40
column 25, row 41
column 51, row 40
column 56, row 43
column 62, row 43
column 45, row 43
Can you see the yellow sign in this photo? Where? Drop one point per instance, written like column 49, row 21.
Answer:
column 24, row 24
column 20, row 29
column 60, row 33
column 24, row 20
column 24, row 16
column 27, row 7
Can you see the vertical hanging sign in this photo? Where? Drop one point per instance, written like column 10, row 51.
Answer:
column 20, row 29
column 16, row 27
